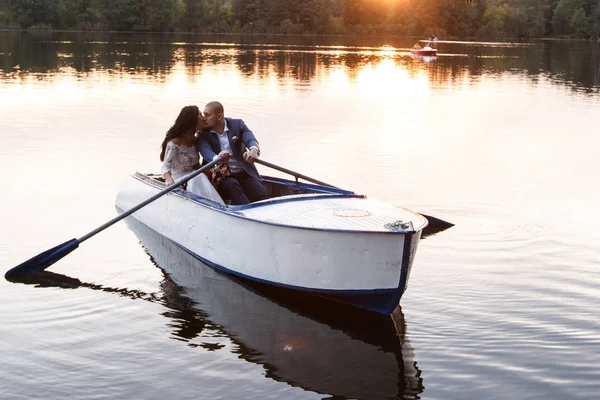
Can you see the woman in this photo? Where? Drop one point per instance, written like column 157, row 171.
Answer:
column 180, row 157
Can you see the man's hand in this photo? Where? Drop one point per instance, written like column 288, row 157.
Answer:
column 251, row 155
column 225, row 155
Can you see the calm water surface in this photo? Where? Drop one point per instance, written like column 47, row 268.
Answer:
column 501, row 139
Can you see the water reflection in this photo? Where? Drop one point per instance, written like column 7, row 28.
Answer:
column 321, row 347
column 576, row 64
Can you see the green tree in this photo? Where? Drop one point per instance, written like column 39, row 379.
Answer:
column 160, row 14
column 537, row 17
column 563, row 12
column 194, row 17
column 580, row 24
column 120, row 15
column 458, row 18
column 596, row 27
column 495, row 21
column 27, row 13
column 5, row 18
column 79, row 14
column 252, row 14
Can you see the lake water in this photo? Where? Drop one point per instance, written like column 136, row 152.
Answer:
column 500, row 139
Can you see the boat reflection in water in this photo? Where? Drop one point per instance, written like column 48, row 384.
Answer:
column 426, row 59
column 304, row 341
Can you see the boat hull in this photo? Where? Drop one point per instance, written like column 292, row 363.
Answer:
column 365, row 269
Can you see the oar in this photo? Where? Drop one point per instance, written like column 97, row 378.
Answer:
column 49, row 257
column 294, row 174
column 435, row 224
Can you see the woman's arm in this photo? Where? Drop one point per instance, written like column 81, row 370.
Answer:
column 168, row 178
column 166, row 167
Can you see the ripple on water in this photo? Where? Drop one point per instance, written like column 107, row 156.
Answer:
column 504, row 297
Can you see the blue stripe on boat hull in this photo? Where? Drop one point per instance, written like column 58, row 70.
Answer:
column 383, row 301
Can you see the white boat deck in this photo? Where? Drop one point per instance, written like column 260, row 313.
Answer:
column 340, row 214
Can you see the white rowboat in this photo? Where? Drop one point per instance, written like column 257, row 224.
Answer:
column 312, row 238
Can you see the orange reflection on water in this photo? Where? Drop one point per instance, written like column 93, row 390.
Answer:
column 379, row 74
column 387, row 81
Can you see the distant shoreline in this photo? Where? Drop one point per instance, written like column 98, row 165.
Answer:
column 245, row 34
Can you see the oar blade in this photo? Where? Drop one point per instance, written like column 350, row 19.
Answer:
column 42, row 260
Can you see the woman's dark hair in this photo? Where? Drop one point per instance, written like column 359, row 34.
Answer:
column 187, row 119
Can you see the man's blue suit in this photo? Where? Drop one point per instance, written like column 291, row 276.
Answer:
column 244, row 186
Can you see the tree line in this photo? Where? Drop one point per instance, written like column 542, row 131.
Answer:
column 498, row 19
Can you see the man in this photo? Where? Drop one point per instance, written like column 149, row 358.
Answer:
column 231, row 140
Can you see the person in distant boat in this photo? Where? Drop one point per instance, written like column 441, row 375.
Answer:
column 428, row 46
column 231, row 140
column 432, row 37
column 180, row 157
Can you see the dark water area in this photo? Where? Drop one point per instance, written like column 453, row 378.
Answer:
column 501, row 139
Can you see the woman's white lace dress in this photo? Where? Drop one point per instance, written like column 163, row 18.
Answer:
column 181, row 160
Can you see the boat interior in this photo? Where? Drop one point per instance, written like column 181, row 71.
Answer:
column 279, row 187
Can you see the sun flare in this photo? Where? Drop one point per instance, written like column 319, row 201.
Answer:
column 386, row 80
